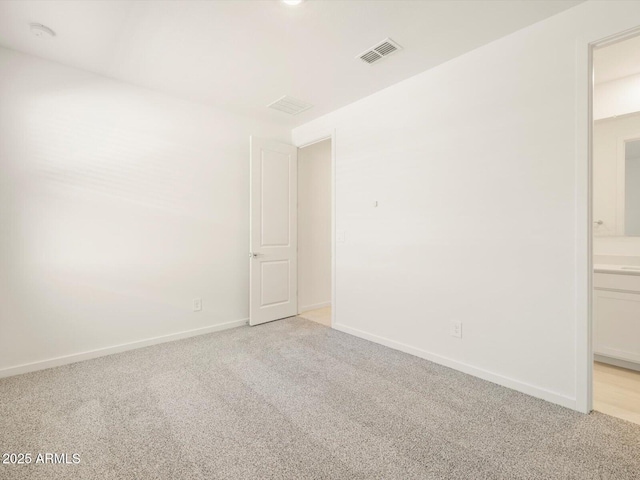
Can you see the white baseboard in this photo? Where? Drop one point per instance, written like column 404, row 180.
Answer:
column 618, row 362
column 465, row 368
column 102, row 352
column 617, row 354
column 315, row 306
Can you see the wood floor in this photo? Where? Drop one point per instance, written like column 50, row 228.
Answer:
column 321, row 315
column 616, row 392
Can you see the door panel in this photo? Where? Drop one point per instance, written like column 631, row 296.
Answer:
column 275, row 282
column 275, row 197
column 273, row 238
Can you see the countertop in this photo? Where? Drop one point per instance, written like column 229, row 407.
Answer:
column 616, row 269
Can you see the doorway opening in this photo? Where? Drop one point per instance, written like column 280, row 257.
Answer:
column 275, row 292
column 615, row 187
column 315, row 225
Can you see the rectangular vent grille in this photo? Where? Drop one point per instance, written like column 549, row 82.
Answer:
column 379, row 51
column 371, row 57
column 290, row 105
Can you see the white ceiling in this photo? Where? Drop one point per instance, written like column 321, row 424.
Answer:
column 617, row 60
column 242, row 55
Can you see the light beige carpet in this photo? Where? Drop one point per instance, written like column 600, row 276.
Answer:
column 296, row 400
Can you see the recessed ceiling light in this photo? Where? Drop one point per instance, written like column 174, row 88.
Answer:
column 292, row 2
column 41, row 31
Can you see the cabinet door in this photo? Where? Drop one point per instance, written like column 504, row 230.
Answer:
column 616, row 322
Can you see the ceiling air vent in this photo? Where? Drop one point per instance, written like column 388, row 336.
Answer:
column 379, row 51
column 290, row 105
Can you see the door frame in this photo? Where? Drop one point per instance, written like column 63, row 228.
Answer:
column 307, row 142
column 585, row 46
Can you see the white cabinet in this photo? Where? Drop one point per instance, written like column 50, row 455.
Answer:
column 616, row 323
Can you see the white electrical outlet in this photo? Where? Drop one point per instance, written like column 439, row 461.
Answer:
column 197, row 304
column 456, row 329
column 340, row 236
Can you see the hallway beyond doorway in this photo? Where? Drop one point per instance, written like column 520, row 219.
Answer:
column 321, row 316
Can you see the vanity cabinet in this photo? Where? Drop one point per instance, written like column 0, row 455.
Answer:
column 616, row 317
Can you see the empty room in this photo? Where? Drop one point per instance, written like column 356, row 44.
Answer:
column 319, row 239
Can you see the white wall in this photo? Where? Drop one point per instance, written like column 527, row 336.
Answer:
column 617, row 97
column 118, row 206
column 477, row 166
column 627, row 247
column 314, row 226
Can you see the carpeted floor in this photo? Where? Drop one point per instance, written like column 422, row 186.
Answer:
column 296, row 400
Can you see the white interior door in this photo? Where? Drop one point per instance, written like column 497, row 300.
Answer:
column 274, row 231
